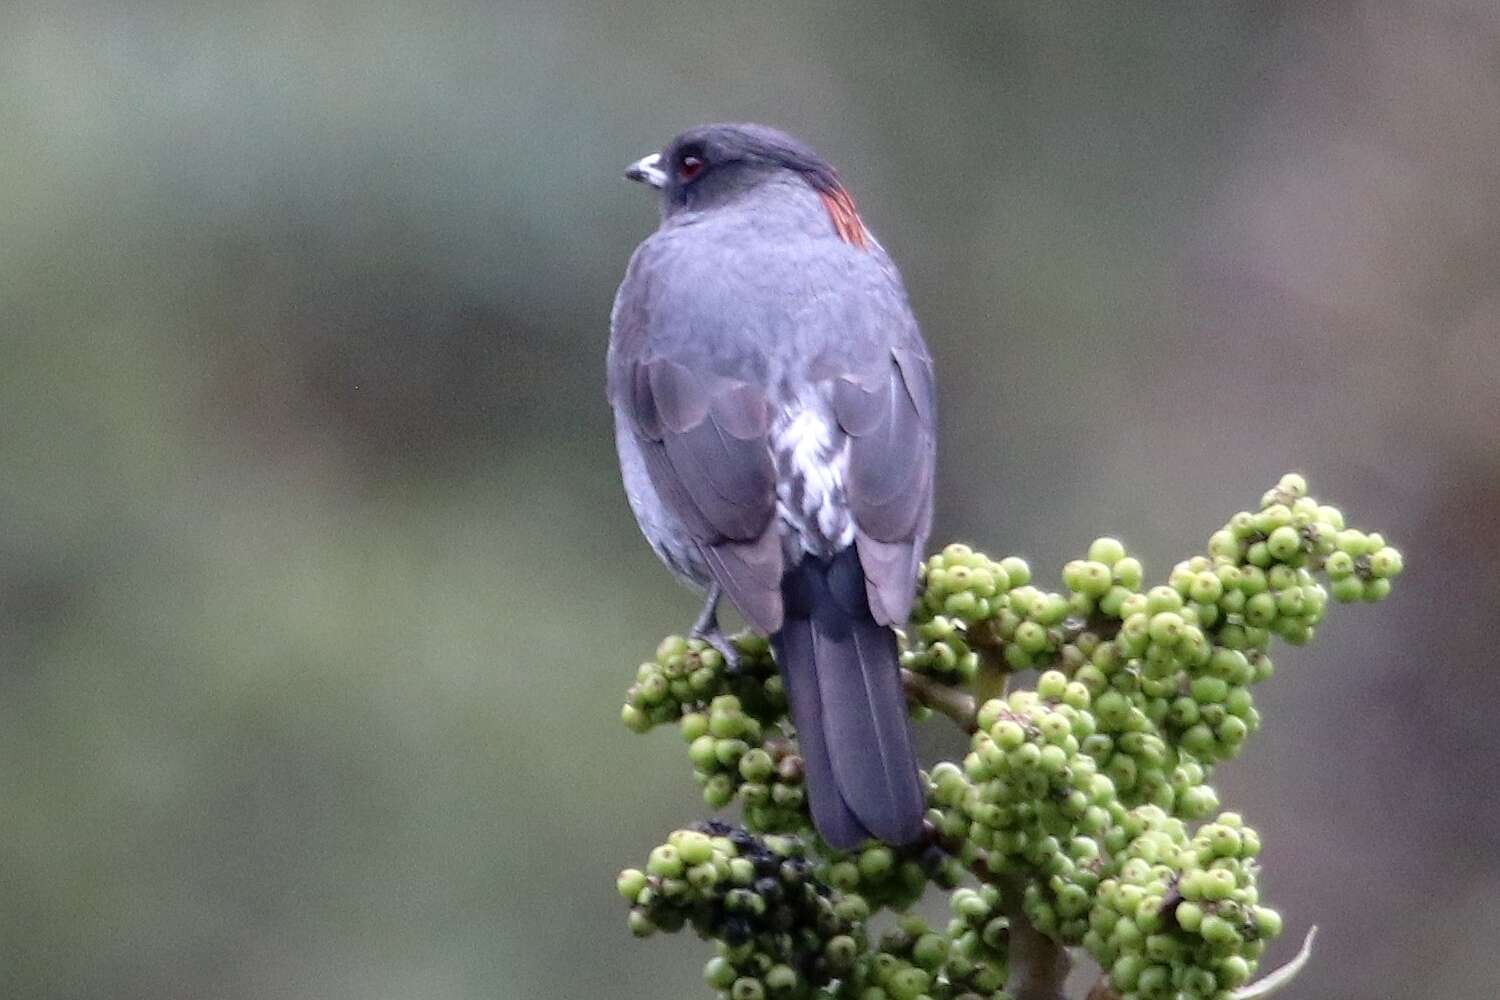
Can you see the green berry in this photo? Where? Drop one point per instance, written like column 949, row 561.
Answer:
column 630, row 882
column 781, row 979
column 1189, row 916
column 1206, row 588
column 1234, row 971
column 876, row 862
column 930, row 951
column 1208, row 690
column 1031, row 637
column 719, row 973
column 840, row 952
column 1051, row 684
column 665, row 862
column 1284, row 543
column 908, row 984
column 703, row 877
column 1009, row 735
column 757, row 766
column 1016, row 571
column 718, row 792
column 704, row 753
column 1223, row 544
column 1347, row 589
column 1338, row 565
column 1095, row 579
column 852, row 908
column 635, row 720
column 1166, row 627
column 1154, row 980
column 747, row 988
column 1272, row 517
column 726, row 725
column 1107, row 551
column 729, row 752
column 640, row 923
column 1161, row 599
column 1260, row 610
column 1126, row 971
column 693, row 725
column 1219, row 932
column 693, row 847
column 1267, row 922
column 1128, row 573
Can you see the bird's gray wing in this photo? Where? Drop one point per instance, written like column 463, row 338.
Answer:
column 704, row 438
column 890, row 417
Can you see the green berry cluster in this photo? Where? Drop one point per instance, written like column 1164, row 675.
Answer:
column 980, row 943
column 1179, row 918
column 1175, row 689
column 892, row 878
column 1034, row 800
column 778, row 931
column 916, row 962
column 906, row 965
column 686, row 675
column 731, row 720
column 972, row 610
column 958, row 591
column 732, row 757
column 1361, row 566
column 1172, row 689
column 1075, row 799
column 1100, row 583
column 1031, row 624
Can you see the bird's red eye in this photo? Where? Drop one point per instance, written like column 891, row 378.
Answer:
column 689, row 166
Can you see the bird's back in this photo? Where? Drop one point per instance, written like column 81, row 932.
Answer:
column 762, row 293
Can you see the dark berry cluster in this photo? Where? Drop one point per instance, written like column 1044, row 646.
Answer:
column 777, row 928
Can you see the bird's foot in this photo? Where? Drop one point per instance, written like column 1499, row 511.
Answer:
column 715, row 637
column 707, row 629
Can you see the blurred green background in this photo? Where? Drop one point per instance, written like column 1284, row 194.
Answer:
column 319, row 594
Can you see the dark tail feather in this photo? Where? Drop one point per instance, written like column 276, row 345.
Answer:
column 832, row 816
column 843, row 680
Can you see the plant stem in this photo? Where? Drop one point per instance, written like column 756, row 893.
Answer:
column 952, row 702
column 1038, row 965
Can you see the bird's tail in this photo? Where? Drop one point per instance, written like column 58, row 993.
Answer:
column 843, row 681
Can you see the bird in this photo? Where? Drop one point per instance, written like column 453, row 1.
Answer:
column 775, row 418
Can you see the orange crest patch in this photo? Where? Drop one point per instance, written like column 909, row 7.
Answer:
column 845, row 217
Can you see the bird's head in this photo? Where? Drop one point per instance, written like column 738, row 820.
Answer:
column 712, row 165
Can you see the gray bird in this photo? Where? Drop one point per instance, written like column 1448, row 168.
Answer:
column 774, row 415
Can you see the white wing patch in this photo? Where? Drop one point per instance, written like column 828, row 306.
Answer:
column 812, row 461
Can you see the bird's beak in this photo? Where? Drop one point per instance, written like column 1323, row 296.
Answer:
column 647, row 170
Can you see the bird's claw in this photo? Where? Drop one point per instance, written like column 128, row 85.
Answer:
column 715, row 637
column 707, row 629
